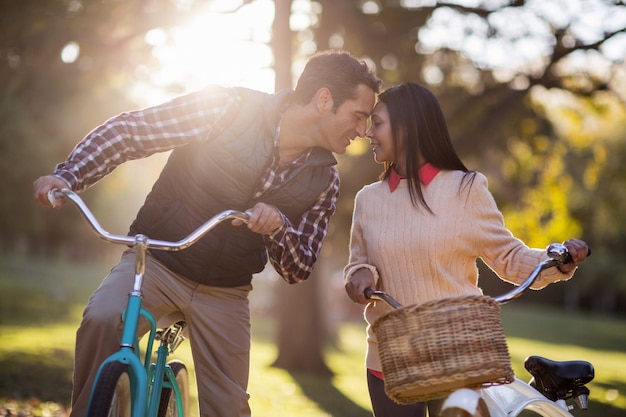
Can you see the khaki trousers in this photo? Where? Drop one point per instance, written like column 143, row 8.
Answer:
column 218, row 324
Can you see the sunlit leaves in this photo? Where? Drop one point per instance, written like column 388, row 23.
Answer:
column 543, row 214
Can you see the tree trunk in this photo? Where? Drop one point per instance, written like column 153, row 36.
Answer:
column 301, row 327
column 281, row 44
column 300, row 331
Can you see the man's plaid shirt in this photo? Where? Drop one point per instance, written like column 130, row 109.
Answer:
column 293, row 248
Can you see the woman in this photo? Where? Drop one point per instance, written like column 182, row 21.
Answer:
column 418, row 232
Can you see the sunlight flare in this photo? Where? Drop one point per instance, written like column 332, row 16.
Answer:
column 215, row 47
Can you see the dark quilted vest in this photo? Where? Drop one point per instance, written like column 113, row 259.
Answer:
column 201, row 180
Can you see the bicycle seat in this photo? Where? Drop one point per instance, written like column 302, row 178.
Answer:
column 557, row 380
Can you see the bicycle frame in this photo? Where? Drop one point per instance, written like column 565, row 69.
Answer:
column 508, row 400
column 146, row 378
column 511, row 399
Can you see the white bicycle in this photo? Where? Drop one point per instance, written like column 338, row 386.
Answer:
column 554, row 385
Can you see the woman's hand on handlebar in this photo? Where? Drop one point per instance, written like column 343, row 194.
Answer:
column 578, row 251
column 361, row 280
column 264, row 219
column 43, row 185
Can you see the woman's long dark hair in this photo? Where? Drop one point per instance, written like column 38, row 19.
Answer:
column 418, row 122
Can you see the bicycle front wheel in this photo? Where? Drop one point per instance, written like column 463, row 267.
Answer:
column 111, row 395
column 168, row 407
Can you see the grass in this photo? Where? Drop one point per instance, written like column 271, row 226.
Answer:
column 38, row 335
column 571, row 336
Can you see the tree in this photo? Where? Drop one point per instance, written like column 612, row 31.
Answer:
column 300, row 331
column 504, row 111
column 51, row 95
column 495, row 96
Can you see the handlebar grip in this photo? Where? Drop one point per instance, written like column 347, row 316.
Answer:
column 371, row 294
column 53, row 194
column 559, row 252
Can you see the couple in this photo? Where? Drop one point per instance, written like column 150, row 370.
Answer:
column 234, row 148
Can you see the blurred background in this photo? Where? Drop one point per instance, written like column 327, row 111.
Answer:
column 534, row 92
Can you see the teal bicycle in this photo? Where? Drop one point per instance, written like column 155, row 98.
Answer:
column 129, row 383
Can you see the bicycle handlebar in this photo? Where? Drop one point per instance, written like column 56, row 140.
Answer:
column 142, row 240
column 558, row 255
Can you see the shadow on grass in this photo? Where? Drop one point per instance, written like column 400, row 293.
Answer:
column 321, row 390
column 599, row 409
column 46, row 376
column 555, row 326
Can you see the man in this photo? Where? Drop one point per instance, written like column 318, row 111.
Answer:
column 233, row 148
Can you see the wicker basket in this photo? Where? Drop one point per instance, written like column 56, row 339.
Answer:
column 431, row 349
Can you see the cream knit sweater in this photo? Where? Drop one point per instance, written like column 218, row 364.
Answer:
column 419, row 256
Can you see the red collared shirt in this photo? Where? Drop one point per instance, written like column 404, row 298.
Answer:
column 426, row 173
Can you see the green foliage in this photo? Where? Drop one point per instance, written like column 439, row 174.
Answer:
column 498, row 124
column 543, row 215
column 47, row 105
column 565, row 181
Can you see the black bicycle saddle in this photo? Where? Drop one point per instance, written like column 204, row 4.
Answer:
column 558, row 380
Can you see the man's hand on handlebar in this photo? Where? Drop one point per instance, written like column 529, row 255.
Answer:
column 264, row 219
column 43, row 185
column 578, row 251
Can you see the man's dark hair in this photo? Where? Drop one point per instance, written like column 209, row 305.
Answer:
column 338, row 71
